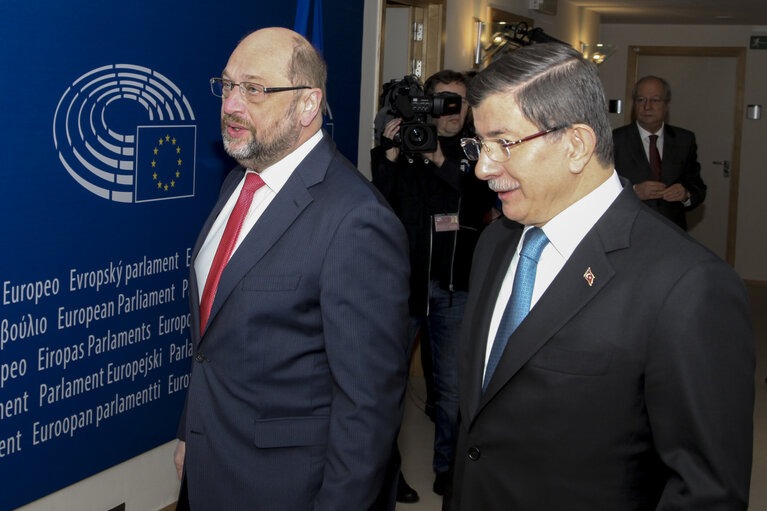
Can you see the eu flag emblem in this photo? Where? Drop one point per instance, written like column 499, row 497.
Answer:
column 165, row 162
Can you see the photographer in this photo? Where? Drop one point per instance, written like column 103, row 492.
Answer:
column 443, row 207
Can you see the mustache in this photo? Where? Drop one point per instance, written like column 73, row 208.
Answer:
column 502, row 185
column 233, row 119
column 495, row 185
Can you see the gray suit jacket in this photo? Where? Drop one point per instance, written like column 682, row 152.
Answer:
column 634, row 393
column 297, row 386
column 679, row 165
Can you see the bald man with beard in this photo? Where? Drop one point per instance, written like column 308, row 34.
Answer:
column 300, row 353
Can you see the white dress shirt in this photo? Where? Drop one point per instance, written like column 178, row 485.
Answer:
column 645, row 136
column 274, row 178
column 565, row 232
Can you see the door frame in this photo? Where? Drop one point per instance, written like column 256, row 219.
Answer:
column 739, row 54
column 433, row 15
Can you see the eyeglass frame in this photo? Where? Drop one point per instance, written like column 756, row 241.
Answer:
column 265, row 90
column 504, row 143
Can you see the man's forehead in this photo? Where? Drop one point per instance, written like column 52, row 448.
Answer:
column 268, row 44
column 650, row 86
column 256, row 63
column 452, row 86
column 245, row 77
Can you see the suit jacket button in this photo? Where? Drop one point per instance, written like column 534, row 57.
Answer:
column 199, row 357
column 473, row 453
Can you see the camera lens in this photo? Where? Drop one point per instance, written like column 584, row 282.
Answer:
column 417, row 136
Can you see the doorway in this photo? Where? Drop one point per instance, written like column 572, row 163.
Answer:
column 411, row 39
column 411, row 43
column 707, row 86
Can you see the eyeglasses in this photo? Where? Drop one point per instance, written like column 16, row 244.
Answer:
column 253, row 92
column 497, row 149
column 653, row 101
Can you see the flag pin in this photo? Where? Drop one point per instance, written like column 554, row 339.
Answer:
column 589, row 276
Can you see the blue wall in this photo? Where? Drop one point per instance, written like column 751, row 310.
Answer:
column 93, row 266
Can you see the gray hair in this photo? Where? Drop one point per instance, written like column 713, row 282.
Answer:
column 307, row 67
column 666, row 86
column 554, row 86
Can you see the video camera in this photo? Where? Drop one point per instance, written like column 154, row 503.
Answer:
column 406, row 99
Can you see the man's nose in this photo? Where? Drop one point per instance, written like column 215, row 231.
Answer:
column 235, row 102
column 486, row 168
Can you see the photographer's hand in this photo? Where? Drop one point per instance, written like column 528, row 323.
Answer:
column 390, row 130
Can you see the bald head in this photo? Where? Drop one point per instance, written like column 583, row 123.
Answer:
column 291, row 54
column 651, row 102
column 273, row 46
column 259, row 130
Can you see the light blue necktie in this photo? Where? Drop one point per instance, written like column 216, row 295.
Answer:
column 521, row 293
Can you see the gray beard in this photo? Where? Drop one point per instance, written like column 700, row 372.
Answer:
column 257, row 154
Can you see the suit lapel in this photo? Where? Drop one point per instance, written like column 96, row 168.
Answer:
column 568, row 293
column 669, row 148
column 230, row 184
column 286, row 206
column 638, row 153
column 490, row 289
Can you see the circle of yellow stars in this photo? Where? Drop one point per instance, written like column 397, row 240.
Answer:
column 160, row 142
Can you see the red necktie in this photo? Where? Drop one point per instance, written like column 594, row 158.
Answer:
column 252, row 183
column 655, row 163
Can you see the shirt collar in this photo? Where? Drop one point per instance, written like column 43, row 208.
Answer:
column 566, row 230
column 275, row 176
column 644, row 133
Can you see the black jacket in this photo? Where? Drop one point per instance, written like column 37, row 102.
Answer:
column 417, row 190
column 680, row 165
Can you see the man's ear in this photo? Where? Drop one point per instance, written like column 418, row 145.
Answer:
column 581, row 142
column 310, row 107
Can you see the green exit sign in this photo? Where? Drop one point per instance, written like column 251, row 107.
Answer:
column 758, row 42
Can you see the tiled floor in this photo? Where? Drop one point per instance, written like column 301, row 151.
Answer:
column 418, row 432
column 415, row 443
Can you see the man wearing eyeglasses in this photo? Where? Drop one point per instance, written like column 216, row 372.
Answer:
column 660, row 160
column 606, row 358
column 299, row 285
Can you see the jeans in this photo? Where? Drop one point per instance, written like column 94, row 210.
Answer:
column 444, row 325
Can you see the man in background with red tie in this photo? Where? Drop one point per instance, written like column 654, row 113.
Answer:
column 299, row 289
column 660, row 160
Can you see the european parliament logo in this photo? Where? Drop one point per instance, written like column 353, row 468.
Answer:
column 123, row 132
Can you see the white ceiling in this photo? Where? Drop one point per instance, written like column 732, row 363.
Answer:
column 697, row 12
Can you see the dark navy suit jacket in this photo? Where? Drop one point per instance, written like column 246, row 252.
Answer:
column 679, row 165
column 633, row 393
column 296, row 392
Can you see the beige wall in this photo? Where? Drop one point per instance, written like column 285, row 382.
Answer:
column 751, row 247
column 571, row 24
